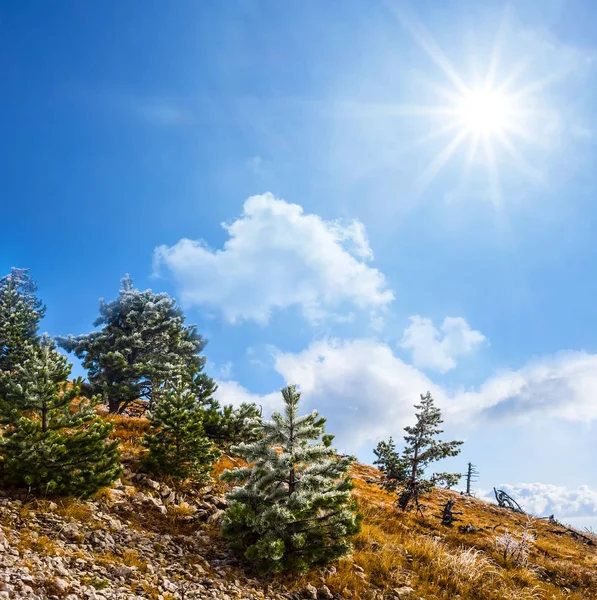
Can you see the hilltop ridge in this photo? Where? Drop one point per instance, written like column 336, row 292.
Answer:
column 144, row 538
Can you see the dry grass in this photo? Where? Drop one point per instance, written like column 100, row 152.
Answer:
column 40, row 544
column 440, row 563
column 128, row 558
column 129, row 431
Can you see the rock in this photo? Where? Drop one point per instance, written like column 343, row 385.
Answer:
column 154, row 485
column 123, row 571
column 324, row 592
column 215, row 517
column 404, row 593
column 170, row 498
column 221, row 503
column 310, row 592
column 61, row 584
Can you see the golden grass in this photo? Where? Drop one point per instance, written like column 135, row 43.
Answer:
column 395, row 549
column 128, row 431
column 129, row 558
column 40, row 544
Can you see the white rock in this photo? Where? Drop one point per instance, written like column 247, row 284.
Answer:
column 61, row 584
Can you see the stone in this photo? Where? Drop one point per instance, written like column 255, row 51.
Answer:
column 154, row 485
column 404, row 593
column 123, row 571
column 310, row 592
column 324, row 592
column 61, row 584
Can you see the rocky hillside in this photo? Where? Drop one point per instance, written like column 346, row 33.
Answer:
column 144, row 539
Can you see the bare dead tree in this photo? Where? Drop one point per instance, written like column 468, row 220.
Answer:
column 506, row 501
column 448, row 516
column 471, row 476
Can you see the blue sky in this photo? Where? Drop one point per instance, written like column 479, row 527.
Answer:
column 369, row 251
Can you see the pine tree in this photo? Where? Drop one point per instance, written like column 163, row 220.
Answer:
column 20, row 314
column 225, row 425
column 177, row 443
column 53, row 441
column 406, row 474
column 143, row 343
column 294, row 510
column 391, row 464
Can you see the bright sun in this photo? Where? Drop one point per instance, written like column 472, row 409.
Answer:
column 492, row 117
column 484, row 112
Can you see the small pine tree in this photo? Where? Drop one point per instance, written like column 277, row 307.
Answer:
column 177, row 443
column 391, row 464
column 226, row 425
column 51, row 443
column 295, row 509
column 406, row 474
column 20, row 314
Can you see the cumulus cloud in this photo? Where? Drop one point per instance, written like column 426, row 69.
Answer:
column 364, row 389
column 438, row 349
column 367, row 392
column 560, row 386
column 231, row 392
column 543, row 499
column 278, row 257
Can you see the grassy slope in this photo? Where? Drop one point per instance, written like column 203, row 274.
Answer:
column 395, row 549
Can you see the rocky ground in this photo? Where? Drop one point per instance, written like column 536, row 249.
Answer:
column 138, row 540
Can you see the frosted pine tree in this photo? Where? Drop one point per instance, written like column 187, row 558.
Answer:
column 20, row 314
column 53, row 441
column 177, row 443
column 144, row 342
column 295, row 509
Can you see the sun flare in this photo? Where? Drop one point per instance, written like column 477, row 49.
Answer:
column 485, row 112
column 495, row 117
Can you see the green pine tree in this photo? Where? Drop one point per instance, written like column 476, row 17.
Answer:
column 295, row 509
column 143, row 343
column 20, row 314
column 177, row 443
column 226, row 425
column 406, row 474
column 53, row 441
column 391, row 464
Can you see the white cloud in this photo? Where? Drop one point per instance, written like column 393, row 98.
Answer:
column 437, row 349
column 231, row 392
column 543, row 499
column 368, row 393
column 278, row 257
column 560, row 386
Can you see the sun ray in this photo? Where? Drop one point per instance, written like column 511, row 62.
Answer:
column 426, row 41
column 496, row 113
column 439, row 161
column 520, row 163
column 496, row 53
column 494, row 178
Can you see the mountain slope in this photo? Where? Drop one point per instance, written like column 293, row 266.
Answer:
column 146, row 539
